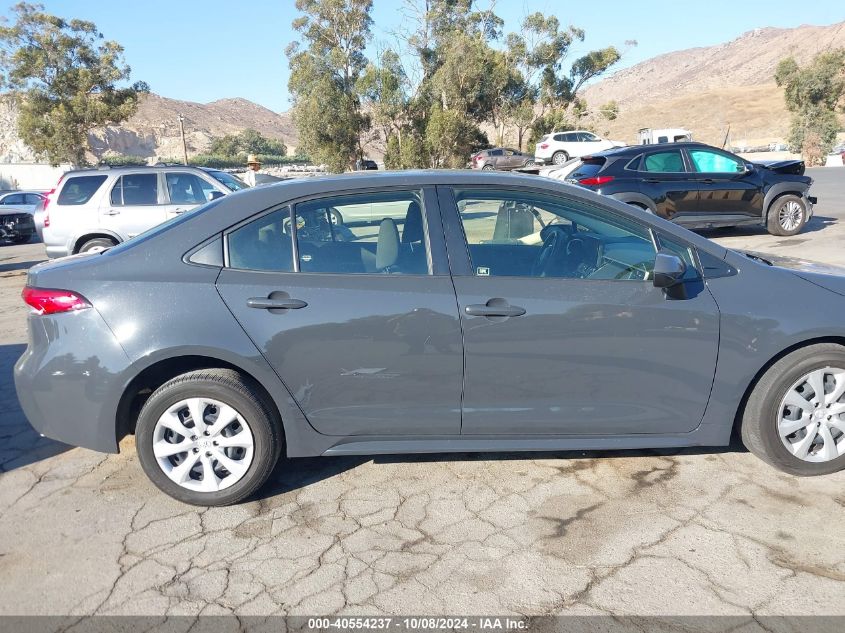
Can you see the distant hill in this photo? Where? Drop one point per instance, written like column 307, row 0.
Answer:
column 706, row 89
column 154, row 129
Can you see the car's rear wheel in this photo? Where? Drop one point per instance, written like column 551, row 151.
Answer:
column 488, row 168
column 208, row 438
column 795, row 416
column 530, row 164
column 559, row 158
column 787, row 215
column 96, row 244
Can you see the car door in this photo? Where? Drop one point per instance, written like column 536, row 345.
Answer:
column 134, row 204
column 665, row 177
column 495, row 157
column 726, row 187
column 185, row 191
column 359, row 320
column 564, row 332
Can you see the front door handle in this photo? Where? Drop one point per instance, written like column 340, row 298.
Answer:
column 112, row 212
column 707, row 181
column 494, row 308
column 275, row 303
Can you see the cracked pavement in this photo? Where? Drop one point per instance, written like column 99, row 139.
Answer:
column 690, row 532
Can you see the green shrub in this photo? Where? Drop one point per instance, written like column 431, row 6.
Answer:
column 115, row 161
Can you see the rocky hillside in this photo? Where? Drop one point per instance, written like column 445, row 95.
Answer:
column 706, row 89
column 154, row 130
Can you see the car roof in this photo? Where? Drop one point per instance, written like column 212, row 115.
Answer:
column 107, row 169
column 639, row 149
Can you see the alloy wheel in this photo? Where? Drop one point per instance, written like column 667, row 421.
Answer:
column 790, row 216
column 810, row 422
column 203, row 444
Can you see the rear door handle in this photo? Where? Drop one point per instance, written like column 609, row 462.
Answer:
column 651, row 180
column 494, row 308
column 112, row 212
column 267, row 303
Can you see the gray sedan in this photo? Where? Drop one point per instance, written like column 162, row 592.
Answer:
column 496, row 312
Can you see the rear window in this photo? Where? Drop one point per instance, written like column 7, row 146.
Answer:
column 587, row 170
column 80, row 189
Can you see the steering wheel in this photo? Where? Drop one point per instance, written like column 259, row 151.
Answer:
column 555, row 252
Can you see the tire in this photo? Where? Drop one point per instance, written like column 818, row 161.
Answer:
column 488, row 168
column 254, row 416
column 559, row 158
column 21, row 239
column 96, row 244
column 787, row 215
column 763, row 413
column 529, row 164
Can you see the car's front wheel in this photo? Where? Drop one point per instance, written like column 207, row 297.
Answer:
column 208, row 438
column 787, row 216
column 795, row 416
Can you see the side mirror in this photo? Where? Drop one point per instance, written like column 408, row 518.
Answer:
column 668, row 271
column 213, row 195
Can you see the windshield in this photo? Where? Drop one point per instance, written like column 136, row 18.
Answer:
column 234, row 184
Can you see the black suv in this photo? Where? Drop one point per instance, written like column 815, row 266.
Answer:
column 700, row 186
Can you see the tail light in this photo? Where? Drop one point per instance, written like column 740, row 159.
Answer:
column 48, row 198
column 595, row 181
column 544, row 146
column 51, row 301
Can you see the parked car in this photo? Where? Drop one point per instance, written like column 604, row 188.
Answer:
column 558, row 147
column 649, row 136
column 504, row 312
column 93, row 209
column 16, row 219
column 700, row 186
column 24, row 200
column 501, row 158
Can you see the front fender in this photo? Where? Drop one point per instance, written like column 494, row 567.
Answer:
column 780, row 188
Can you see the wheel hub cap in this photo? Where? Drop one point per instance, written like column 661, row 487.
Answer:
column 203, row 444
column 790, row 216
column 811, row 424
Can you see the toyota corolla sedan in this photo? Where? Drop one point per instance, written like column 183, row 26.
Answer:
column 498, row 313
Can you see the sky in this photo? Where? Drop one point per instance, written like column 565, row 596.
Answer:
column 203, row 50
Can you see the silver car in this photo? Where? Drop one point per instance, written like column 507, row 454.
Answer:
column 94, row 209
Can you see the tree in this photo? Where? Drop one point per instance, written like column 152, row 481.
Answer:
column 324, row 79
column 813, row 94
column 65, row 80
column 248, row 141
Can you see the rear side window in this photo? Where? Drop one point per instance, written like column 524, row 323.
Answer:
column 135, row 189
column 263, row 244
column 80, row 189
column 664, row 162
column 32, row 198
column 15, row 198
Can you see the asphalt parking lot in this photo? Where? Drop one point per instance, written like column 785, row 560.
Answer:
column 690, row 532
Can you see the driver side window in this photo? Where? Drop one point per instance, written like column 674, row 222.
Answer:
column 514, row 234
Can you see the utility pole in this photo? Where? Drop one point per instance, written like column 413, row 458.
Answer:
column 184, row 144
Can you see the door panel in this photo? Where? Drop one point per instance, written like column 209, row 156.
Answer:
column 580, row 342
column 134, row 205
column 665, row 178
column 724, row 186
column 367, row 341
column 368, row 355
column 587, row 357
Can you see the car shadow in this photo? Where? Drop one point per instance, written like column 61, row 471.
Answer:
column 816, row 223
column 293, row 474
column 13, row 266
column 20, row 445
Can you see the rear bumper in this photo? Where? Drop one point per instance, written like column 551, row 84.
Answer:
column 68, row 379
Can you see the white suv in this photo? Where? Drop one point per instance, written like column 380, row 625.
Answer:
column 559, row 147
column 93, row 209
